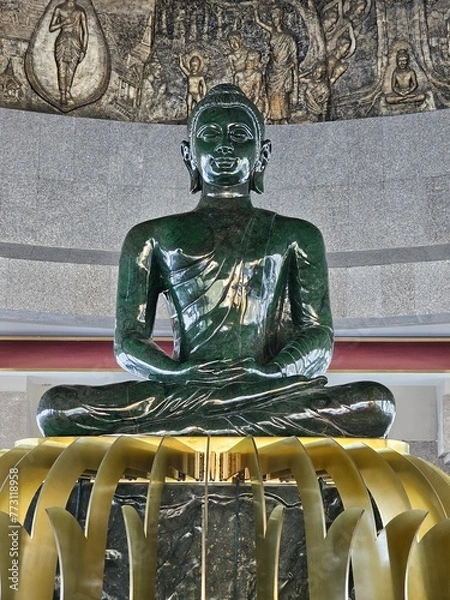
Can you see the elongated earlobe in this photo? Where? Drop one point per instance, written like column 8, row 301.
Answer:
column 257, row 183
column 196, row 182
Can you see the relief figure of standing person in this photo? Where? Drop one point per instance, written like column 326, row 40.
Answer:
column 317, row 93
column 71, row 44
column 196, row 85
column 238, row 55
column 282, row 68
column 251, row 80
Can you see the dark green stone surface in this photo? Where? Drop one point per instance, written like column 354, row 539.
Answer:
column 230, row 557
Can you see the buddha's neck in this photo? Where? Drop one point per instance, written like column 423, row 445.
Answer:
column 223, row 197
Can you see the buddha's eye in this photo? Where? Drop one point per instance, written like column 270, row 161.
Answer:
column 240, row 133
column 208, row 133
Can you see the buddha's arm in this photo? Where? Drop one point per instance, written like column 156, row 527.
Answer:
column 413, row 84
column 139, row 287
column 138, row 290
column 309, row 352
column 394, row 82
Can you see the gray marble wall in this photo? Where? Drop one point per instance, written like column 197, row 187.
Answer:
column 15, row 422
column 378, row 188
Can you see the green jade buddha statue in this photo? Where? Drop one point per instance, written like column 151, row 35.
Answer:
column 247, row 291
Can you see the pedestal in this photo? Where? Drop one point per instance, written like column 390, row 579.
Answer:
column 222, row 518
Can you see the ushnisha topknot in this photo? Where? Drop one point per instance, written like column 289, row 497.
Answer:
column 403, row 52
column 227, row 95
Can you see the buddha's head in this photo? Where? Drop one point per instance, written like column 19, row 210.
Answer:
column 402, row 59
column 226, row 147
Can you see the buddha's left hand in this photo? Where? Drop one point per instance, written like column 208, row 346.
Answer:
column 256, row 371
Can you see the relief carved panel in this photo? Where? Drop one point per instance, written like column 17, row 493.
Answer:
column 298, row 60
column 67, row 60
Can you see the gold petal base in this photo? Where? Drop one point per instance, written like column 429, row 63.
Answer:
column 394, row 531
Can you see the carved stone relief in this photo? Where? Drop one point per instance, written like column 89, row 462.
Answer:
column 298, row 60
column 67, row 60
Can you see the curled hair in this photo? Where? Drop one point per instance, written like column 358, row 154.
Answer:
column 403, row 52
column 227, row 95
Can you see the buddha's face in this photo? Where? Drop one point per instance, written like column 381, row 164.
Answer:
column 402, row 61
column 225, row 146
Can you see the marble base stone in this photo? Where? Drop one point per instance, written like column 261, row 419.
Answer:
column 225, row 529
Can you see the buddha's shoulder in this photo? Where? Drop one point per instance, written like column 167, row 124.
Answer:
column 291, row 226
column 181, row 224
column 161, row 226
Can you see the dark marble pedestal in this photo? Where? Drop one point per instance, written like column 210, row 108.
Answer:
column 211, row 528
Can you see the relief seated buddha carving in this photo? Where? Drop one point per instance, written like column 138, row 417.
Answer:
column 404, row 82
column 247, row 291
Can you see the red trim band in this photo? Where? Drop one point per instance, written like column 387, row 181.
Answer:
column 349, row 355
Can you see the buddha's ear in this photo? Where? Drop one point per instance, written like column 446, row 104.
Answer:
column 196, row 182
column 257, row 183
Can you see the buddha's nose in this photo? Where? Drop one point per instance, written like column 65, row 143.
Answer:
column 224, row 149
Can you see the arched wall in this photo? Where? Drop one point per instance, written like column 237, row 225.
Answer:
column 379, row 189
column 70, row 188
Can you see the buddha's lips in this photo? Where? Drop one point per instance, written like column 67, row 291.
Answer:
column 225, row 162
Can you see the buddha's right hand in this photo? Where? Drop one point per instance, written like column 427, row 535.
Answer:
column 214, row 371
